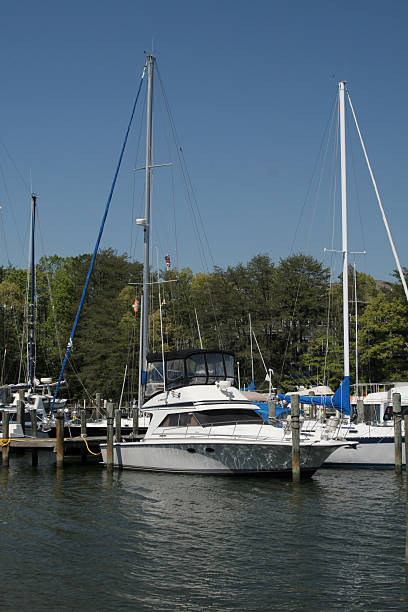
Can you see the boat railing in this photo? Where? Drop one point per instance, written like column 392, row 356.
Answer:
column 192, row 431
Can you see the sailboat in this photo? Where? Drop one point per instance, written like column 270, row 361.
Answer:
column 200, row 423
column 36, row 394
column 375, row 435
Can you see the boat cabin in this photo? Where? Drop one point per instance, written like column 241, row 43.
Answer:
column 188, row 367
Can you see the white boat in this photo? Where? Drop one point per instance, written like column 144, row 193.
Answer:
column 375, row 436
column 202, row 424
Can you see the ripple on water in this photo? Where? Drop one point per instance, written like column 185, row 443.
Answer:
column 87, row 540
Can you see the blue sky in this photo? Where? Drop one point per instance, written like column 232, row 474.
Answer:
column 250, row 85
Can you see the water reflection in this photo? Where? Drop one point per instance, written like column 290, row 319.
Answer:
column 165, row 542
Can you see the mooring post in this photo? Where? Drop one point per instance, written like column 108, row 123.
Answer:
column 135, row 416
column 34, row 452
column 396, row 409
column 98, row 406
column 360, row 411
column 21, row 414
column 109, row 435
column 59, row 442
column 294, row 420
column 118, row 425
column 83, row 422
column 271, row 410
column 5, row 450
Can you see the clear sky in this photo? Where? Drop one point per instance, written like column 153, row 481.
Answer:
column 250, row 85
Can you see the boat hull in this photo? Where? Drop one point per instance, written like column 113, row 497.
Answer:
column 370, row 452
column 209, row 457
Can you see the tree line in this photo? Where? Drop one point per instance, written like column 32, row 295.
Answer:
column 296, row 315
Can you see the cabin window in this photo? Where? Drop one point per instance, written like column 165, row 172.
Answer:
column 183, row 419
column 187, row 419
column 207, row 418
column 171, row 420
column 196, row 370
column 174, row 369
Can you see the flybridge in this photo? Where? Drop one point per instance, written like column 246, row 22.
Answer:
column 187, row 367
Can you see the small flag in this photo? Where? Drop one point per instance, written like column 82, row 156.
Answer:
column 164, row 314
column 135, row 305
column 167, row 260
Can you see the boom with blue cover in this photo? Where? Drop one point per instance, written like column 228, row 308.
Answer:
column 339, row 401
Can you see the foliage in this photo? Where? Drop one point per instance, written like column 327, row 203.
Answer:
column 296, row 319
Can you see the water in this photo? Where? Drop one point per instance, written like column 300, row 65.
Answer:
column 84, row 540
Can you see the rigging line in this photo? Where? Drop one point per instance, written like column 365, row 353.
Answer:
column 11, row 207
column 4, row 235
column 309, row 187
column 394, row 251
column 189, row 199
column 70, row 342
column 47, row 275
column 186, row 177
column 138, row 147
column 173, row 198
column 323, row 140
column 353, row 165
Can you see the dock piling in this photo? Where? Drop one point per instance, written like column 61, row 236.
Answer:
column 294, row 419
column 21, row 414
column 135, row 416
column 271, row 410
column 118, row 425
column 83, row 422
column 109, row 435
column 396, row 409
column 5, row 450
column 59, row 442
column 34, row 452
column 360, row 411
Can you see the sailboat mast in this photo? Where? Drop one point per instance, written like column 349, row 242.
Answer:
column 146, row 264
column 344, row 227
column 31, row 339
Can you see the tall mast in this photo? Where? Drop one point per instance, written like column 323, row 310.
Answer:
column 31, row 338
column 147, row 216
column 344, row 228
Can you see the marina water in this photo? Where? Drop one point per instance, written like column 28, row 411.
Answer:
column 85, row 539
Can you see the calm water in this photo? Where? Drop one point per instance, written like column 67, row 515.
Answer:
column 85, row 540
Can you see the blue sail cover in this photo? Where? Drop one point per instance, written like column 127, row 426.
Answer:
column 339, row 401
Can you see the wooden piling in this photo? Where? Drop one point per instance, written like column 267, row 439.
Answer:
column 34, row 452
column 294, row 420
column 21, row 414
column 59, row 443
column 109, row 435
column 83, row 422
column 271, row 410
column 5, row 450
column 396, row 409
column 360, row 411
column 135, row 417
column 118, row 425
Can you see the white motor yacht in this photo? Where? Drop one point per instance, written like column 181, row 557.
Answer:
column 204, row 425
